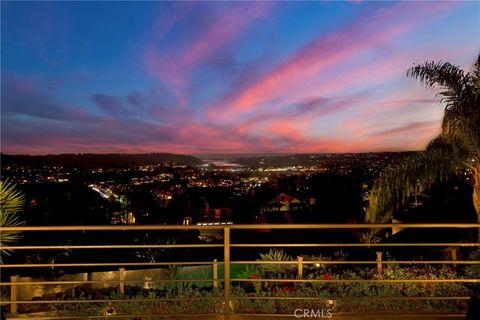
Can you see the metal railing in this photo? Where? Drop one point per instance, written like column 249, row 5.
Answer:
column 224, row 297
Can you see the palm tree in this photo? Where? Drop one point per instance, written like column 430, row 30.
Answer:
column 11, row 203
column 456, row 148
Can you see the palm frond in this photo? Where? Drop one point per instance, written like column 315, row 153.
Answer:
column 11, row 203
column 446, row 77
column 463, row 131
column 476, row 73
column 11, row 199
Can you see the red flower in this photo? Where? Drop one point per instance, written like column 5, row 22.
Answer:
column 253, row 276
column 287, row 289
column 326, row 276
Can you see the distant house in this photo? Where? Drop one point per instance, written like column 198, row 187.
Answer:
column 283, row 203
column 209, row 206
column 281, row 208
column 120, row 217
column 214, row 213
column 164, row 197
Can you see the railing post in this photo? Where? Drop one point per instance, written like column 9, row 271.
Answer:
column 379, row 261
column 13, row 294
column 454, row 255
column 215, row 273
column 226, row 270
column 300, row 267
column 121, row 276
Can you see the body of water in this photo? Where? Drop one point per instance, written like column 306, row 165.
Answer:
column 222, row 163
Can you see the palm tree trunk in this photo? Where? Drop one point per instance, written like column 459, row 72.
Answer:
column 476, row 196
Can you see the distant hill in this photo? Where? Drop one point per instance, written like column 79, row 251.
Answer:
column 99, row 160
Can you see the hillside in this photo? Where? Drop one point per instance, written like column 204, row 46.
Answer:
column 99, row 160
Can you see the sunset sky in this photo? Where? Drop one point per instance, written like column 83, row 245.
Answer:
column 225, row 77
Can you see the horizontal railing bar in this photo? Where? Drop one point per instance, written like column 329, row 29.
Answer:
column 123, row 316
column 267, row 315
column 449, row 244
column 360, row 280
column 234, row 279
column 48, row 265
column 368, row 315
column 249, row 315
column 111, row 228
column 102, row 264
column 123, row 246
column 413, row 315
column 107, row 300
column 354, row 225
column 409, row 312
column 112, row 301
column 348, row 298
column 20, row 283
column 242, row 226
column 241, row 245
column 294, row 262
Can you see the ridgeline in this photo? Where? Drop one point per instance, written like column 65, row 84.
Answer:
column 99, row 160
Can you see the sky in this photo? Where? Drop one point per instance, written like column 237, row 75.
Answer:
column 225, row 77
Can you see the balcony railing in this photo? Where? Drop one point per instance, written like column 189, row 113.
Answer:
column 301, row 292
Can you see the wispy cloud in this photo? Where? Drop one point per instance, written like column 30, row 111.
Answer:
column 410, row 128
column 27, row 97
column 174, row 64
column 227, row 77
column 324, row 53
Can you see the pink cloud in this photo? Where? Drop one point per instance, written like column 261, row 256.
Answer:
column 297, row 123
column 223, row 28
column 221, row 32
column 415, row 127
column 323, row 54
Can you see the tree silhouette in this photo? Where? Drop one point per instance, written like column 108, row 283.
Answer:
column 456, row 149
